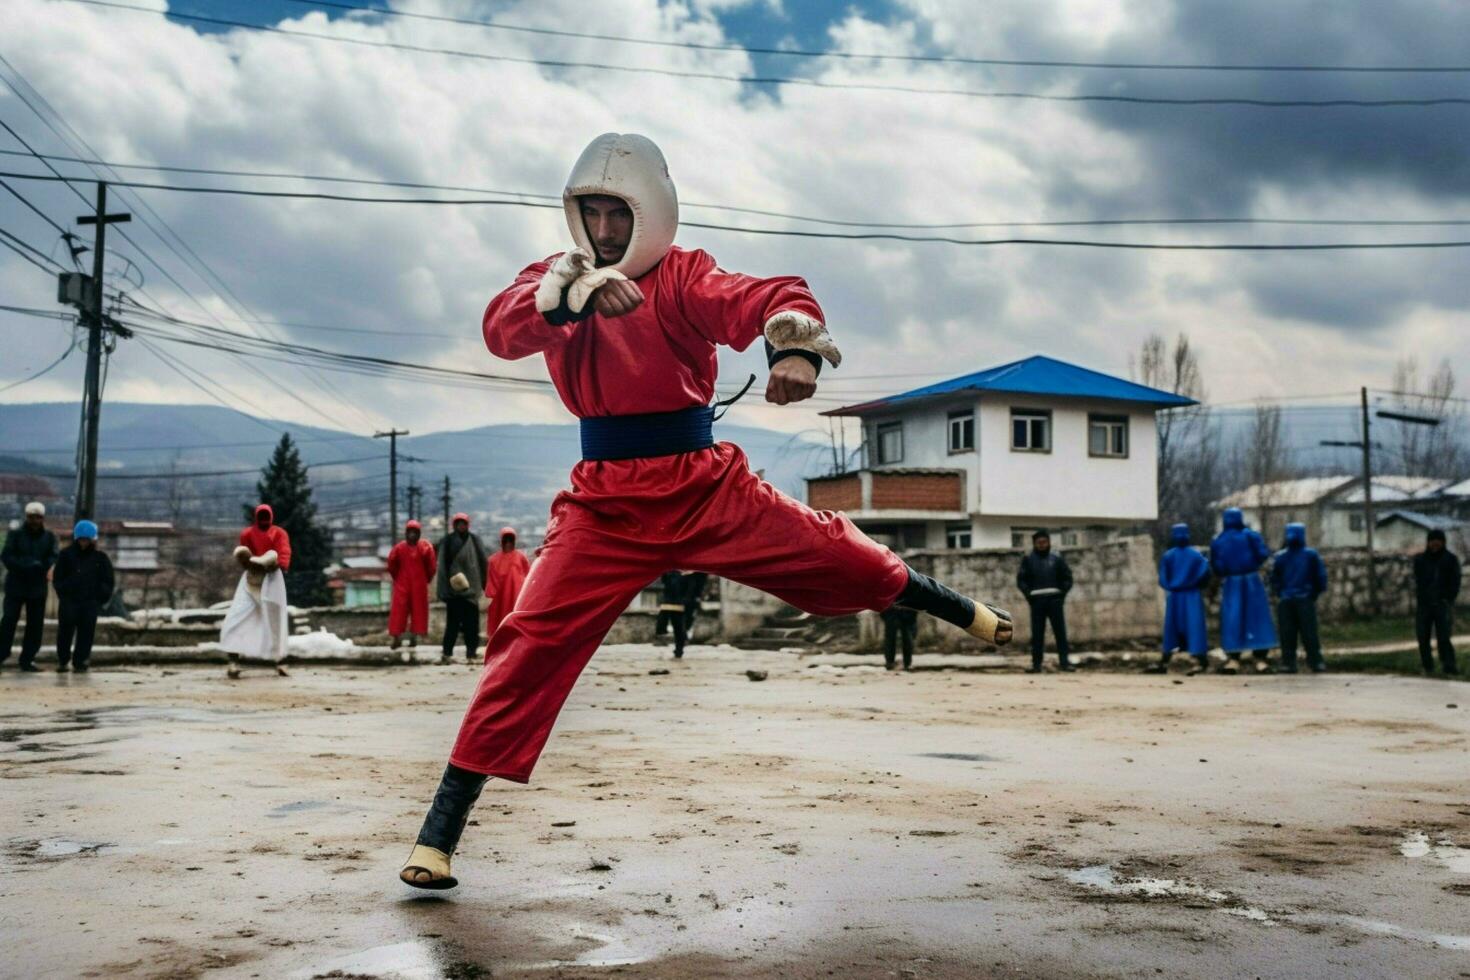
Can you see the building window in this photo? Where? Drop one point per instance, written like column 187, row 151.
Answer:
column 890, row 442
column 1068, row 539
column 1107, row 435
column 1021, row 536
column 1030, row 430
column 1355, row 523
column 958, row 536
column 961, row 432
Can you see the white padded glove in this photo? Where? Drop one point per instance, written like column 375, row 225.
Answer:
column 793, row 330
column 574, row 271
column 242, row 556
column 459, row 583
column 266, row 562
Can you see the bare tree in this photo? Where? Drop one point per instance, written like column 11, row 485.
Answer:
column 1189, row 470
column 1261, row 457
column 1423, row 450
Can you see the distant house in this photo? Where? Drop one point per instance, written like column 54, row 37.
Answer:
column 158, row 564
column 981, row 460
column 19, row 489
column 1332, row 506
column 1403, row 531
column 363, row 581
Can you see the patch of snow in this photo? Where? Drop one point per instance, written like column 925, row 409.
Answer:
column 1416, row 844
column 322, row 643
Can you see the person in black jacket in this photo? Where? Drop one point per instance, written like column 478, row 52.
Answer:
column 28, row 555
column 1045, row 579
column 84, row 583
column 1436, row 585
column 899, row 624
column 673, row 609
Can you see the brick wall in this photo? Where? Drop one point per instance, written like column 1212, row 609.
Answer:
column 835, row 493
column 917, row 491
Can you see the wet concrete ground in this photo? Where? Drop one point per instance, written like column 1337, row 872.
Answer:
column 829, row 821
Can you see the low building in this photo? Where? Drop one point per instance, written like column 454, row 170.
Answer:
column 982, row 460
column 1403, row 531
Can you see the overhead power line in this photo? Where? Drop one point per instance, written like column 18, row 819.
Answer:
column 879, row 56
column 762, row 212
column 796, row 233
column 804, row 82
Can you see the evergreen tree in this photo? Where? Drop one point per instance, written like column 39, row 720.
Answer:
column 284, row 486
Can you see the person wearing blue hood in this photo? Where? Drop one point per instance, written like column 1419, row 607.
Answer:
column 1236, row 556
column 1298, row 577
column 84, row 581
column 1183, row 572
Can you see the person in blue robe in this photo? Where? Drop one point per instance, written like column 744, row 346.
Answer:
column 1183, row 572
column 1236, row 557
column 1298, row 577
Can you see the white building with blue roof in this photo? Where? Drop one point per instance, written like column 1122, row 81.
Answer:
column 982, row 460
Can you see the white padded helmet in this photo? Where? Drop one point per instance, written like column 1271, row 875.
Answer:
column 627, row 166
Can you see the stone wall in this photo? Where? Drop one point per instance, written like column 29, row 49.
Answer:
column 1115, row 594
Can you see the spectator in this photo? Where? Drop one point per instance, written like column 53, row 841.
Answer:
column 459, row 585
column 1298, row 577
column 673, row 609
column 1436, row 586
column 1236, row 556
column 28, row 555
column 84, row 582
column 412, row 564
column 899, row 623
column 258, row 623
column 504, row 578
column 1183, row 571
column 1045, row 579
column 693, row 598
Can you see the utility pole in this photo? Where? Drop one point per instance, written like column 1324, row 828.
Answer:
column 444, row 499
column 1368, row 503
column 392, row 435
column 415, row 503
column 89, row 297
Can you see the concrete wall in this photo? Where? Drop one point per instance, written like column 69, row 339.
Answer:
column 743, row 609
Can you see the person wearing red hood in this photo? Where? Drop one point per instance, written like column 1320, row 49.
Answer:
column 412, row 564
column 630, row 327
column 256, row 624
column 504, row 577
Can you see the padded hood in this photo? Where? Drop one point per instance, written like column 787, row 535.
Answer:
column 508, row 532
column 1296, row 535
column 1234, row 519
column 627, row 166
column 457, row 518
column 1179, row 535
column 413, row 526
column 270, row 515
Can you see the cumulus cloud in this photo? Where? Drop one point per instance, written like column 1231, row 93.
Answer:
column 142, row 89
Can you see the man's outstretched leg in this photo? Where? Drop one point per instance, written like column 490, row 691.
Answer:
column 428, row 864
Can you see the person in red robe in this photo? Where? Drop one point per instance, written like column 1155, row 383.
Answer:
column 505, row 573
column 630, row 326
column 412, row 564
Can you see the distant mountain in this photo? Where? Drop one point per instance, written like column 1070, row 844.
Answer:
column 501, row 472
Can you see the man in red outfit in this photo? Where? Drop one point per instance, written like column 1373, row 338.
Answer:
column 257, row 621
column 412, row 564
column 629, row 326
column 505, row 575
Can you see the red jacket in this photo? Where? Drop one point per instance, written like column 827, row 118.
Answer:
column 272, row 538
column 659, row 358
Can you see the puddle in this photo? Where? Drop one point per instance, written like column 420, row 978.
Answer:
column 959, row 756
column 300, row 806
column 55, row 848
column 412, row 960
column 1454, row 858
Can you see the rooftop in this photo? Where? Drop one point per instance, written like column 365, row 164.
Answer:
column 1311, row 490
column 1429, row 522
column 1036, row 375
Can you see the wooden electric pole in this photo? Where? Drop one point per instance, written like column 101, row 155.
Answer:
column 392, row 435
column 91, row 296
column 1368, row 503
column 444, row 499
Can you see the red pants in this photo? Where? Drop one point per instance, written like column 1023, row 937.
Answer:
column 624, row 524
column 409, row 610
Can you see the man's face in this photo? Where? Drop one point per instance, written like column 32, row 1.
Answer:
column 412, row 535
column 1043, row 545
column 1434, row 546
column 262, row 521
column 609, row 223
column 86, row 544
column 461, row 527
column 35, row 522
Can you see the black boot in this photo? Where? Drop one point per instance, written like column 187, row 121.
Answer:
column 926, row 595
column 445, row 822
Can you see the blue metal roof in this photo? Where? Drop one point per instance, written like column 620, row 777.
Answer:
column 1036, row 375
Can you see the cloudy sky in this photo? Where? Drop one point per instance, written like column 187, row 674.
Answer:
column 143, row 89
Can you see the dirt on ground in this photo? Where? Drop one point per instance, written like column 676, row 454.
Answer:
column 829, row 820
